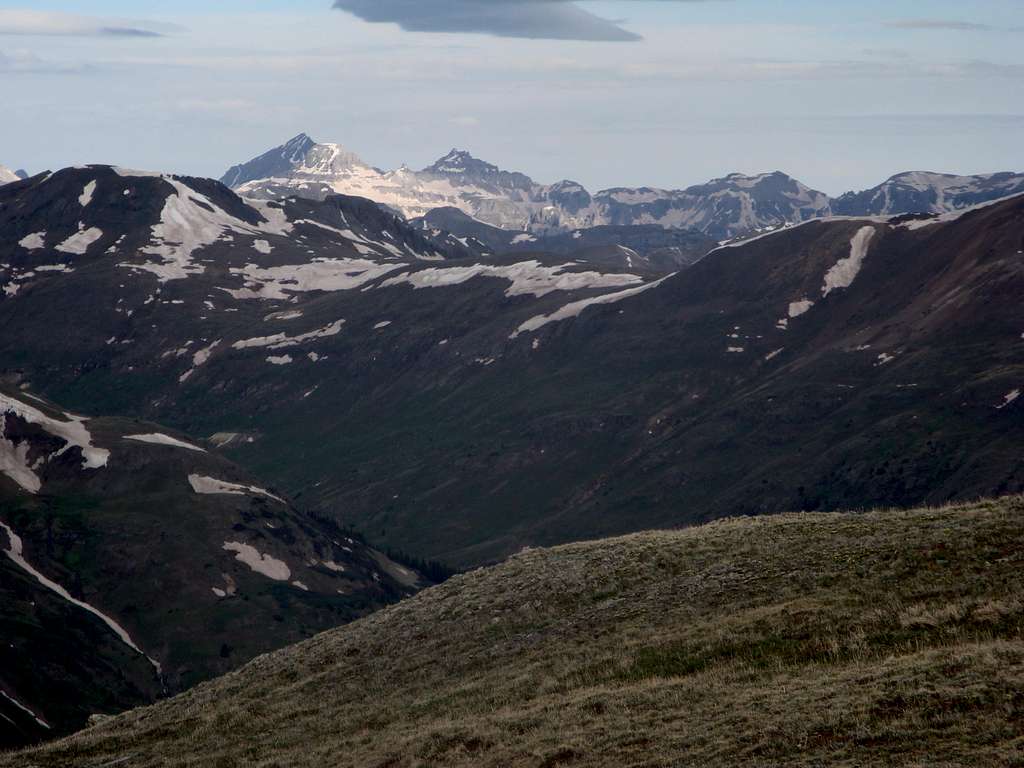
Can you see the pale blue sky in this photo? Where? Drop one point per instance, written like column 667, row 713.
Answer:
column 839, row 96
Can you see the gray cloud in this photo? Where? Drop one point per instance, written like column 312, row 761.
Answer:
column 128, row 32
column 541, row 19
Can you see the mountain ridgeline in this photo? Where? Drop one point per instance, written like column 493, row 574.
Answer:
column 458, row 407
column 734, row 206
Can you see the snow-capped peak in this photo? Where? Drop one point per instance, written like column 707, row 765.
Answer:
column 300, row 155
column 7, row 176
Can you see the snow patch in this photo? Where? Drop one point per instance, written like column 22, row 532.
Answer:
column 326, row 275
column 158, row 439
column 16, row 553
column 86, row 197
column 576, row 308
column 13, row 459
column 282, row 341
column 38, row 720
column 845, row 271
column 264, row 565
column 78, row 244
column 1009, row 399
column 293, row 314
column 33, row 242
column 211, row 486
column 199, row 359
column 798, row 308
column 527, row 278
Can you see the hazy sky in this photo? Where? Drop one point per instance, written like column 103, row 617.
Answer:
column 841, row 95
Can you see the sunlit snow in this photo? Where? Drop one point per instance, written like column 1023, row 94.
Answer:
column 845, row 271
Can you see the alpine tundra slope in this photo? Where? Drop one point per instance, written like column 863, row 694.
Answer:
column 882, row 639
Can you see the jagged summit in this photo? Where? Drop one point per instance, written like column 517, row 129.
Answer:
column 461, row 161
column 300, row 155
column 461, row 167
column 297, row 147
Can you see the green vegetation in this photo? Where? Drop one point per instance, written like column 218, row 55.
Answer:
column 882, row 639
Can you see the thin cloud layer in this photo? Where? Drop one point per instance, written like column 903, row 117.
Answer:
column 48, row 24
column 940, row 24
column 539, row 19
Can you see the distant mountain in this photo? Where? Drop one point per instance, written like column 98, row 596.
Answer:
column 734, row 206
column 7, row 176
column 721, row 209
column 308, row 169
column 461, row 406
column 928, row 193
column 648, row 247
column 138, row 562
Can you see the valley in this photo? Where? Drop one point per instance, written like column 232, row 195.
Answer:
column 672, row 418
column 343, row 356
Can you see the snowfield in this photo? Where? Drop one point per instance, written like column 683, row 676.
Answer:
column 211, row 486
column 158, row 439
column 526, row 278
column 283, row 341
column 14, row 459
column 576, row 308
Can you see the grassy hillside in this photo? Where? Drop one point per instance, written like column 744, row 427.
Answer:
column 889, row 638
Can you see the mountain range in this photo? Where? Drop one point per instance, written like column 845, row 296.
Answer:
column 862, row 361
column 733, row 206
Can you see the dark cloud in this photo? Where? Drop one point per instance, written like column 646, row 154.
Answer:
column 542, row 19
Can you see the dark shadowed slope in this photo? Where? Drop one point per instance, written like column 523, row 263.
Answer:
column 135, row 562
column 461, row 408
